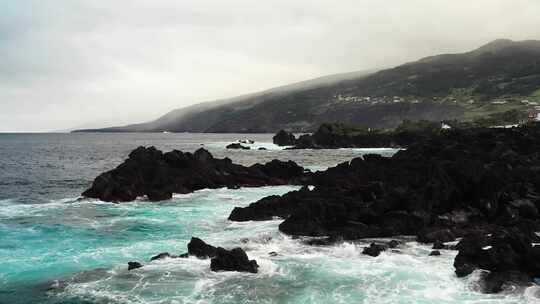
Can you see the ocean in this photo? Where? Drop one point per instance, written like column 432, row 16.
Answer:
column 58, row 248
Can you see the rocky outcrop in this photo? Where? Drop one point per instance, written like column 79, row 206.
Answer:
column 222, row 259
column 446, row 186
column 233, row 260
column 237, row 146
column 374, row 249
column 508, row 255
column 200, row 249
column 158, row 175
column 284, row 138
column 134, row 265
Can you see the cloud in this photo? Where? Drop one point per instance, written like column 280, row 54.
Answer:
column 66, row 63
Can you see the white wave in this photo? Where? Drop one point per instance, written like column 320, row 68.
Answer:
column 11, row 208
column 289, row 270
column 255, row 146
column 374, row 150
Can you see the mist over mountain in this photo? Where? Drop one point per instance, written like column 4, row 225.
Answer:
column 499, row 76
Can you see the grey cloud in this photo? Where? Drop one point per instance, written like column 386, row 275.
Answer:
column 66, row 62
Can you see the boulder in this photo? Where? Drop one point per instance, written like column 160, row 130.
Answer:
column 233, row 260
column 237, row 146
column 221, row 259
column 284, row 138
column 393, row 244
column 134, row 265
column 374, row 249
column 200, row 249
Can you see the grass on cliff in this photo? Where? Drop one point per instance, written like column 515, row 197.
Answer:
column 474, row 112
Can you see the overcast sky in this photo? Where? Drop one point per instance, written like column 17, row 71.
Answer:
column 69, row 63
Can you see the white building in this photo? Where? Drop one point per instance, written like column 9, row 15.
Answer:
column 445, row 126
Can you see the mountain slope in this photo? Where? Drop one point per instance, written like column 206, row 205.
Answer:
column 199, row 117
column 449, row 86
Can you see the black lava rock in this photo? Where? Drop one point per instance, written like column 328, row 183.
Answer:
column 237, row 146
column 284, row 138
column 233, row 260
column 200, row 249
column 508, row 254
column 158, row 175
column 134, row 265
column 374, row 249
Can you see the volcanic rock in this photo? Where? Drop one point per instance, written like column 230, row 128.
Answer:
column 233, row 260
column 158, row 175
column 134, row 265
column 237, row 146
column 284, row 138
column 374, row 249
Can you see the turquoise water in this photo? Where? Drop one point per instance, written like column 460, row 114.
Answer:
column 67, row 250
column 73, row 251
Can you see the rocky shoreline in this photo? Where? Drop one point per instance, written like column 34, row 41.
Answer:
column 474, row 183
column 480, row 187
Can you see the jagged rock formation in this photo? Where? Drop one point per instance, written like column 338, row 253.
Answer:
column 284, row 138
column 134, row 265
column 222, row 259
column 508, row 254
column 158, row 175
column 447, row 186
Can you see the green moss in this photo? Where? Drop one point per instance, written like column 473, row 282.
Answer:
column 536, row 93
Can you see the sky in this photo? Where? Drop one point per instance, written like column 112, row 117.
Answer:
column 95, row 63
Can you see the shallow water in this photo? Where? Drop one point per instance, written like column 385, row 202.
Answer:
column 56, row 248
